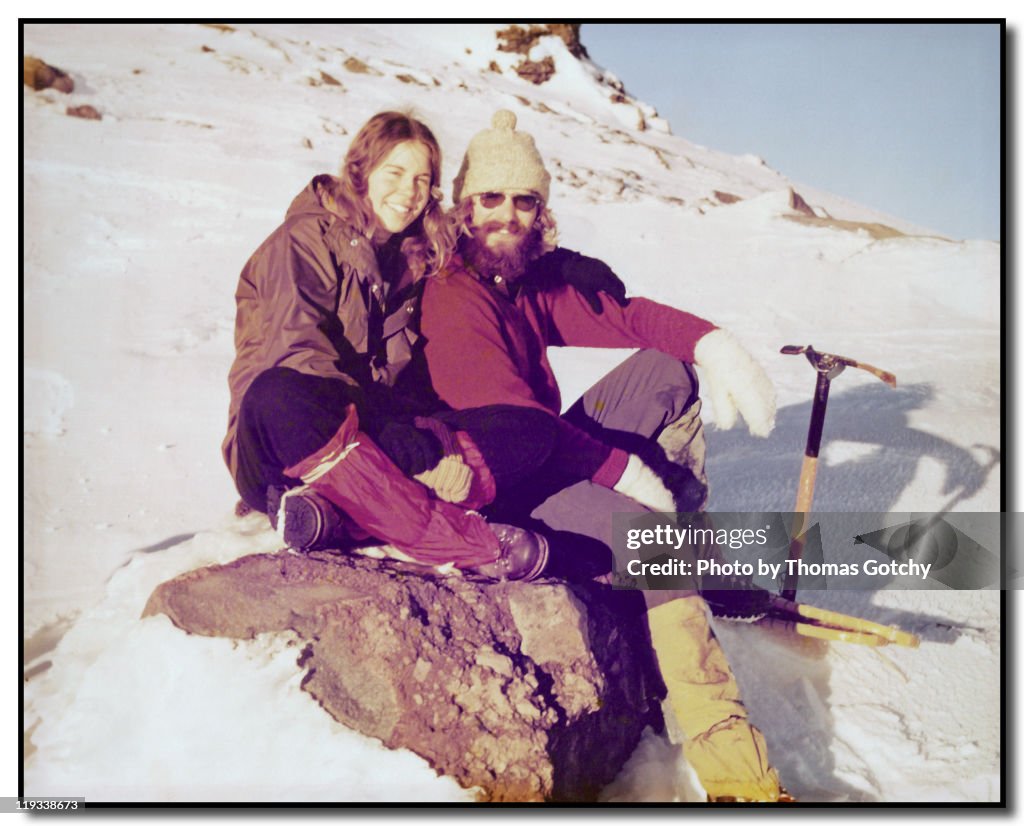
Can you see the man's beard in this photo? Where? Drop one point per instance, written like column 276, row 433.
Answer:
column 508, row 261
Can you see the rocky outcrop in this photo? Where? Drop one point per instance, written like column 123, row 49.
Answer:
column 40, row 75
column 536, row 71
column 356, row 66
column 84, row 111
column 799, row 205
column 517, row 40
column 804, row 213
column 529, row 692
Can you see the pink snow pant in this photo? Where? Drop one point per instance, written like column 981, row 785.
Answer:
column 357, row 476
column 287, row 418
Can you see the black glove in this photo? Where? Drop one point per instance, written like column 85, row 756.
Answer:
column 688, row 492
column 588, row 276
column 412, row 449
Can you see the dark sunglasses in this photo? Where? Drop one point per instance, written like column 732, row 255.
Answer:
column 524, row 203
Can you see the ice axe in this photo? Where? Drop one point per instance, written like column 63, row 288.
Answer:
column 828, row 366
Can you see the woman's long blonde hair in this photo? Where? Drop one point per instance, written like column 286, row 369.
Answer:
column 428, row 242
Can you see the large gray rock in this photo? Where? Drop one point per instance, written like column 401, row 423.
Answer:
column 530, row 692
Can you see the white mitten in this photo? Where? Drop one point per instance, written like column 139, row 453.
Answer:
column 735, row 383
column 643, row 485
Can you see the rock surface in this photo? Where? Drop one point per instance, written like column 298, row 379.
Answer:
column 40, row 75
column 529, row 692
column 85, row 111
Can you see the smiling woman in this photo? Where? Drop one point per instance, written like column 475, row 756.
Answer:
column 398, row 189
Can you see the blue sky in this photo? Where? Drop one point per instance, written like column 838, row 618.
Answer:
column 901, row 117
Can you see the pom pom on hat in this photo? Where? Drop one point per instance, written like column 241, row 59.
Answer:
column 502, row 159
column 503, row 119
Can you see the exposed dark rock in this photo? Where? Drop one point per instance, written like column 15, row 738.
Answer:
column 410, row 79
column 797, row 203
column 536, row 691
column 356, row 66
column 660, row 155
column 40, row 75
column 85, row 111
column 324, row 79
column 570, row 34
column 536, row 71
column 494, row 67
column 726, row 197
column 332, row 127
column 518, row 40
column 805, row 214
column 879, row 232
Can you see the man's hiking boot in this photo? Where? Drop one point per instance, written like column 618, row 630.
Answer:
column 524, row 555
column 784, row 797
column 735, row 597
column 307, row 521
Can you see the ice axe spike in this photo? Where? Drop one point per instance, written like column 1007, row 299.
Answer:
column 827, row 366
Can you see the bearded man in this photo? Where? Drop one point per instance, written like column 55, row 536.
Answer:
column 488, row 321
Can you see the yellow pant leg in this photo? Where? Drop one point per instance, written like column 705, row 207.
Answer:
column 727, row 752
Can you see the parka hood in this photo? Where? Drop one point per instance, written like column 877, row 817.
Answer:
column 308, row 201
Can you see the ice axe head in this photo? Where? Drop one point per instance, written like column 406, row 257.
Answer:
column 831, row 365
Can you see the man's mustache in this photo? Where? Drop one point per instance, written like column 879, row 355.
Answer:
column 513, row 227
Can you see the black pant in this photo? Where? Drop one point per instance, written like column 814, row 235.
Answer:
column 286, row 416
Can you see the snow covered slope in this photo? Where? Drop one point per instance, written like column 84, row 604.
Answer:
column 137, row 225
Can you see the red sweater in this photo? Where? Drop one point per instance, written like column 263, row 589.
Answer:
column 485, row 348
